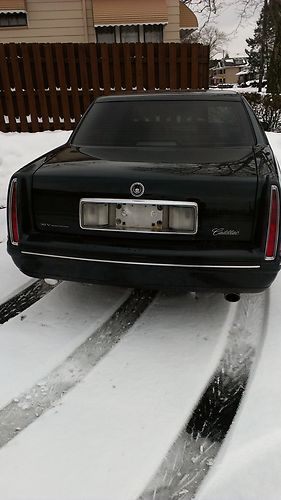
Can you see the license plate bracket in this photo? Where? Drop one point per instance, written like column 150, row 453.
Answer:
column 139, row 216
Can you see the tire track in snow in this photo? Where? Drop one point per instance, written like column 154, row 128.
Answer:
column 27, row 407
column 111, row 431
column 23, row 300
column 194, row 452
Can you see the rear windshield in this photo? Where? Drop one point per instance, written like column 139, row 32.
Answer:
column 165, row 123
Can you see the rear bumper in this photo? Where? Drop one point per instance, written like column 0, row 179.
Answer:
column 223, row 278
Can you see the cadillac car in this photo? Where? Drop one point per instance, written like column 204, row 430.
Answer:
column 153, row 190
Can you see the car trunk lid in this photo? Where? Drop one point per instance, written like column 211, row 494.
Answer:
column 221, row 181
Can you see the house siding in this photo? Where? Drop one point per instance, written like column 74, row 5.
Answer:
column 226, row 74
column 90, row 21
column 60, row 21
column 74, row 20
column 171, row 31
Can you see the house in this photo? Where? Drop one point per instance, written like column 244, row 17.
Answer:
column 94, row 20
column 228, row 70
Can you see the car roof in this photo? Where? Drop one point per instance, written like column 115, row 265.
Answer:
column 212, row 95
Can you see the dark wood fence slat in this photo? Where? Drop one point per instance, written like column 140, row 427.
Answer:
column 183, row 66
column 194, row 66
column 150, row 67
column 7, row 90
column 173, row 66
column 105, row 68
column 73, row 82
column 84, row 75
column 63, row 86
column 139, row 66
column 54, row 83
column 54, row 111
column 30, row 89
column 206, row 52
column 162, row 66
column 127, row 67
column 40, row 86
column 94, row 69
column 19, row 85
column 116, row 66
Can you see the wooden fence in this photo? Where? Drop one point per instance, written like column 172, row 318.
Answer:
column 49, row 86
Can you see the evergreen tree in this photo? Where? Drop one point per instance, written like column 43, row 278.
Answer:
column 261, row 45
column 274, row 72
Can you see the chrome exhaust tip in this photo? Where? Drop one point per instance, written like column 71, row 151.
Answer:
column 232, row 297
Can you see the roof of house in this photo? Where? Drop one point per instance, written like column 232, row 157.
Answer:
column 128, row 12
column 233, row 62
column 187, row 18
column 12, row 6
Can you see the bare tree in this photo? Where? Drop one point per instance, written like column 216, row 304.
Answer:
column 210, row 7
column 209, row 35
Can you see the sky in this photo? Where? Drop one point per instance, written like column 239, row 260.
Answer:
column 227, row 20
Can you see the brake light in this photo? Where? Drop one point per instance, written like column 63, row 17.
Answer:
column 13, row 214
column 273, row 225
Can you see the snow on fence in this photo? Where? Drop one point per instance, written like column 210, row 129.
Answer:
column 48, row 86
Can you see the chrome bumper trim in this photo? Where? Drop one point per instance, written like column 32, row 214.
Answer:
column 139, row 263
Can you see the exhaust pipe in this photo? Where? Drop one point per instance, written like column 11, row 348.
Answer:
column 51, row 282
column 232, row 297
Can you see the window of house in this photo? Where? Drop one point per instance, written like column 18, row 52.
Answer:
column 13, row 19
column 129, row 34
column 153, row 33
column 105, row 34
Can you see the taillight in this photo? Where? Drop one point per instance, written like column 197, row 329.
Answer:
column 13, row 213
column 273, row 225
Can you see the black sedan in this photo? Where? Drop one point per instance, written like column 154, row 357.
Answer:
column 153, row 190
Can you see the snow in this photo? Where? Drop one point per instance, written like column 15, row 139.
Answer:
column 12, row 280
column 107, row 436
column 275, row 142
column 16, row 150
column 127, row 412
column 248, row 465
column 34, row 343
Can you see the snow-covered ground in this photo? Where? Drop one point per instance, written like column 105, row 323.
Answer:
column 105, row 436
column 16, row 150
column 248, row 465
